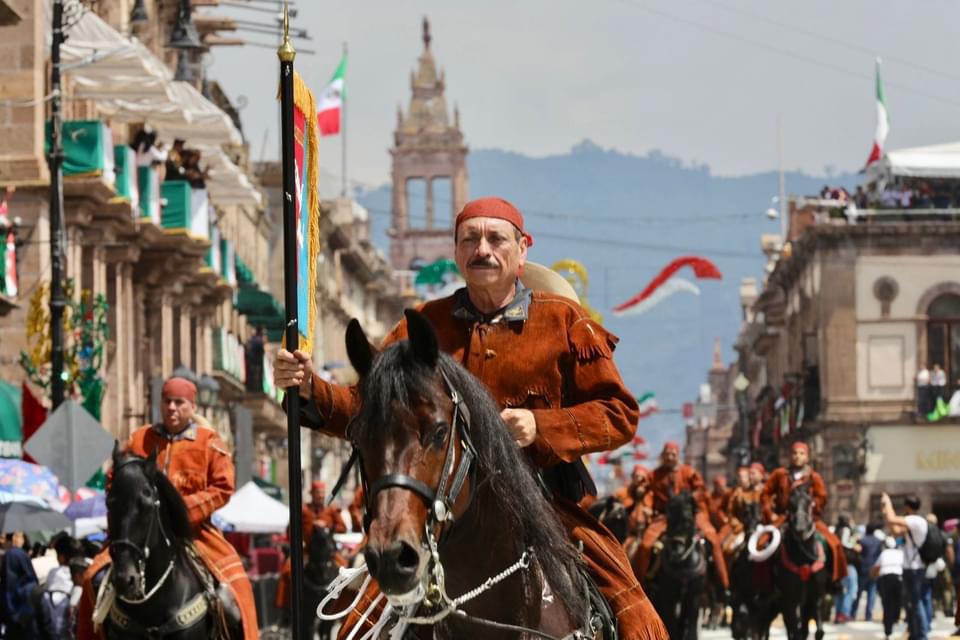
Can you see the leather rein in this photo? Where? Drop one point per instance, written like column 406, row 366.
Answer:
column 439, row 501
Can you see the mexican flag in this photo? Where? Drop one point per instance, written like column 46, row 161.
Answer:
column 330, row 104
column 648, row 404
column 883, row 122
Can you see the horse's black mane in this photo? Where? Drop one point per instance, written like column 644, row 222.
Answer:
column 170, row 500
column 397, row 379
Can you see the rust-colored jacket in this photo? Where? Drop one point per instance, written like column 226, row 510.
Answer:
column 737, row 500
column 665, row 483
column 775, row 497
column 558, row 363
column 198, row 464
column 327, row 517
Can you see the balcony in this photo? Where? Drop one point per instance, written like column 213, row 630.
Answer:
column 186, row 209
column 229, row 364
column 263, row 399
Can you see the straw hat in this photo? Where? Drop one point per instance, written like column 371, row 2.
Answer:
column 540, row 278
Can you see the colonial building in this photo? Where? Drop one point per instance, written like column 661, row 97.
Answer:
column 710, row 427
column 176, row 261
column 857, row 308
column 429, row 174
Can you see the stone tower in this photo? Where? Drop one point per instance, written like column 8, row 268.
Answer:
column 429, row 170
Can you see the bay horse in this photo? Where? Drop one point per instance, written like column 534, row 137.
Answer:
column 681, row 576
column 158, row 586
column 801, row 568
column 611, row 512
column 452, row 506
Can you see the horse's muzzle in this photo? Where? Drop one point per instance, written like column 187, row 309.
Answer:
column 395, row 566
column 127, row 582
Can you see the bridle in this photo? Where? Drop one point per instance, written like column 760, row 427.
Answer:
column 439, row 501
column 143, row 552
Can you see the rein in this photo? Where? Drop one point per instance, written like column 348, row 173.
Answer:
column 143, row 552
column 439, row 503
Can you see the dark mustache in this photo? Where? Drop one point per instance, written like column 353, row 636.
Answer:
column 482, row 262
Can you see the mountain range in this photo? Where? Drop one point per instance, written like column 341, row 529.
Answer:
column 624, row 217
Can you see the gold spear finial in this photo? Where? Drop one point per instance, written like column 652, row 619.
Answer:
column 286, row 52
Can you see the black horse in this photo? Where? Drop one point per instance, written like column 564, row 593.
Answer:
column 678, row 585
column 801, row 568
column 614, row 516
column 160, row 587
column 750, row 602
column 320, row 570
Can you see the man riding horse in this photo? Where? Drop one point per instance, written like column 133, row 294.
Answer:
column 775, row 499
column 198, row 463
column 668, row 480
column 546, row 363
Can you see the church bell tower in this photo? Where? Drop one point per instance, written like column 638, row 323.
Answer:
column 429, row 172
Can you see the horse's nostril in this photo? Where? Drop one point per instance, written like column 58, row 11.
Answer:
column 408, row 558
column 373, row 560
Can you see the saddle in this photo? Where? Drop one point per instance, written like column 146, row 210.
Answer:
column 213, row 598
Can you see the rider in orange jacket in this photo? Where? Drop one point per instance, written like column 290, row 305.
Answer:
column 775, row 500
column 667, row 480
column 200, row 466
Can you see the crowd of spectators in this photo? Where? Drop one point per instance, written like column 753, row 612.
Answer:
column 892, row 559
column 41, row 585
column 899, row 194
column 179, row 162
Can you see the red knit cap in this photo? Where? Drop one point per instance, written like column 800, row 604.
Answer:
column 491, row 207
column 672, row 444
column 319, row 484
column 180, row 388
column 801, row 445
column 756, row 466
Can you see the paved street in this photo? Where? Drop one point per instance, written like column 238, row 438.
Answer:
column 943, row 627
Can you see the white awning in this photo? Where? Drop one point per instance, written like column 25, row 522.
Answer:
column 129, row 83
column 250, row 510
column 934, row 161
column 227, row 183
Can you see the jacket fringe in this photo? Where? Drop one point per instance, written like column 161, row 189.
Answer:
column 589, row 341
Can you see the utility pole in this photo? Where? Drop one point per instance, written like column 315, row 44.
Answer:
column 55, row 159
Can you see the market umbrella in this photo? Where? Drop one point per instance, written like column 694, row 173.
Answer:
column 23, row 516
column 94, row 507
column 24, row 478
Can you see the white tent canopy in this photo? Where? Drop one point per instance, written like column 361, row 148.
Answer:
column 934, row 161
column 130, row 83
column 250, row 510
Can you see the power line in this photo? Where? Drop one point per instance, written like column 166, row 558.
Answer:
column 830, row 39
column 784, row 52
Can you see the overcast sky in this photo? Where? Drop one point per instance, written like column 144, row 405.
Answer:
column 703, row 80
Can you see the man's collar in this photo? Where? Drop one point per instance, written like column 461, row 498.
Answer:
column 190, row 433
column 517, row 310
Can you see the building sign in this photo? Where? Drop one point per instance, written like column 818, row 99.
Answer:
column 912, row 453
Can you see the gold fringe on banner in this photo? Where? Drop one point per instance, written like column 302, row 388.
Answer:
column 305, row 102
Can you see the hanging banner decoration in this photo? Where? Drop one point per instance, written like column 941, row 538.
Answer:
column 666, row 284
column 307, row 205
column 648, row 406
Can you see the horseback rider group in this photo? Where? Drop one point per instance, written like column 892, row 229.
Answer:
column 550, row 368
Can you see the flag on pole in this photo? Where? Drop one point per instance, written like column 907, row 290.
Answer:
column 307, row 205
column 330, row 107
column 8, row 254
column 883, row 122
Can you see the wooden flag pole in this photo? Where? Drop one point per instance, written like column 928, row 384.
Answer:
column 286, row 53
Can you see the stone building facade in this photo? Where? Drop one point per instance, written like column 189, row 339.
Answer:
column 171, row 283
column 429, row 152
column 830, row 349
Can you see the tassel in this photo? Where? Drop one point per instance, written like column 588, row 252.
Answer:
column 589, row 341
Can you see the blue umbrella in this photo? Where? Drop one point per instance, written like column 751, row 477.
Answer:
column 94, row 507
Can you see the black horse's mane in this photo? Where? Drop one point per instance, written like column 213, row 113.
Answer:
column 170, row 500
column 397, row 379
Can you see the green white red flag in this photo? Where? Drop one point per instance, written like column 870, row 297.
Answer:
column 648, row 404
column 330, row 104
column 883, row 122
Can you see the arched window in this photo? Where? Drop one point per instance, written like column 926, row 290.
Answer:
column 943, row 336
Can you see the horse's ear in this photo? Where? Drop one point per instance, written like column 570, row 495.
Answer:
column 116, row 451
column 359, row 350
column 423, row 339
column 152, row 459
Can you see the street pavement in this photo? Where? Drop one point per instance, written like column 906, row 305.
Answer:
column 942, row 628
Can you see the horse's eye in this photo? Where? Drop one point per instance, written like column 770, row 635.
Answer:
column 440, row 434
